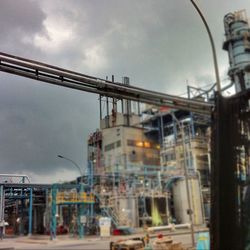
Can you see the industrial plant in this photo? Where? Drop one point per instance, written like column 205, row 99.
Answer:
column 155, row 161
column 135, row 175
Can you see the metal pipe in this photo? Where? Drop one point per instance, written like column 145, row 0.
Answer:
column 107, row 109
column 190, row 212
column 53, row 213
column 81, row 224
column 30, row 211
column 1, row 204
column 216, row 68
column 204, row 108
column 97, row 84
column 201, row 196
column 2, row 208
column 100, row 106
column 170, row 227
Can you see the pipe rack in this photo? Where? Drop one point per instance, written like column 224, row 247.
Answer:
column 70, row 79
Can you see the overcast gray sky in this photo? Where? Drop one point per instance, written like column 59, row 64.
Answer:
column 159, row 44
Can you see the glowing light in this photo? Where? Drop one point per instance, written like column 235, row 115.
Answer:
column 147, row 144
column 156, row 217
column 139, row 144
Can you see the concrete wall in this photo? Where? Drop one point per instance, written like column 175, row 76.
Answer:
column 128, row 149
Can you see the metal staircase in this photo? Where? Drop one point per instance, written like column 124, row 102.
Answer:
column 108, row 210
column 111, row 214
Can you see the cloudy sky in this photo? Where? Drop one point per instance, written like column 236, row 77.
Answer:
column 159, row 44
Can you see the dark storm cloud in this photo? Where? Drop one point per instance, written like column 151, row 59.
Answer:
column 160, row 45
column 23, row 15
column 20, row 21
column 39, row 122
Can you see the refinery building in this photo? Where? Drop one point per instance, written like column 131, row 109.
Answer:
column 147, row 165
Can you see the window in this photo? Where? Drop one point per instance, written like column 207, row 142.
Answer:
column 170, row 157
column 142, row 144
column 109, row 147
column 118, row 144
column 112, row 146
column 131, row 142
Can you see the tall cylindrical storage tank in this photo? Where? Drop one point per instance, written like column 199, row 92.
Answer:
column 128, row 211
column 181, row 201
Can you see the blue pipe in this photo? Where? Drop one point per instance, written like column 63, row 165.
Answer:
column 53, row 213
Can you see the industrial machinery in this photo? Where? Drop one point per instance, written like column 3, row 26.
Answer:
column 237, row 43
column 230, row 175
column 230, row 218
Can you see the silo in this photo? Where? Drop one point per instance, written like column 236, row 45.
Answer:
column 181, row 202
column 128, row 211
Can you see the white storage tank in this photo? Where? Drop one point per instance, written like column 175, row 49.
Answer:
column 128, row 211
column 181, row 202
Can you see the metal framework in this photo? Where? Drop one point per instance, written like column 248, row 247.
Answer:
column 14, row 178
column 26, row 191
column 70, row 79
column 230, row 181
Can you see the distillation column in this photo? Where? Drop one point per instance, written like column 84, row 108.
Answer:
column 237, row 43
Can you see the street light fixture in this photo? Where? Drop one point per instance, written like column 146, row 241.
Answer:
column 216, row 68
column 76, row 165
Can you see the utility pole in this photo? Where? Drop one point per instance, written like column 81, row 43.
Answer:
column 190, row 211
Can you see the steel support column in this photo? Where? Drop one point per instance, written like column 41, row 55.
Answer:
column 30, row 211
column 53, row 213
column 230, row 142
column 80, row 209
column 1, row 211
column 90, row 183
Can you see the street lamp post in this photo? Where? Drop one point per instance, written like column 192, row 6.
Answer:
column 216, row 68
column 76, row 165
column 79, row 207
column 190, row 212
